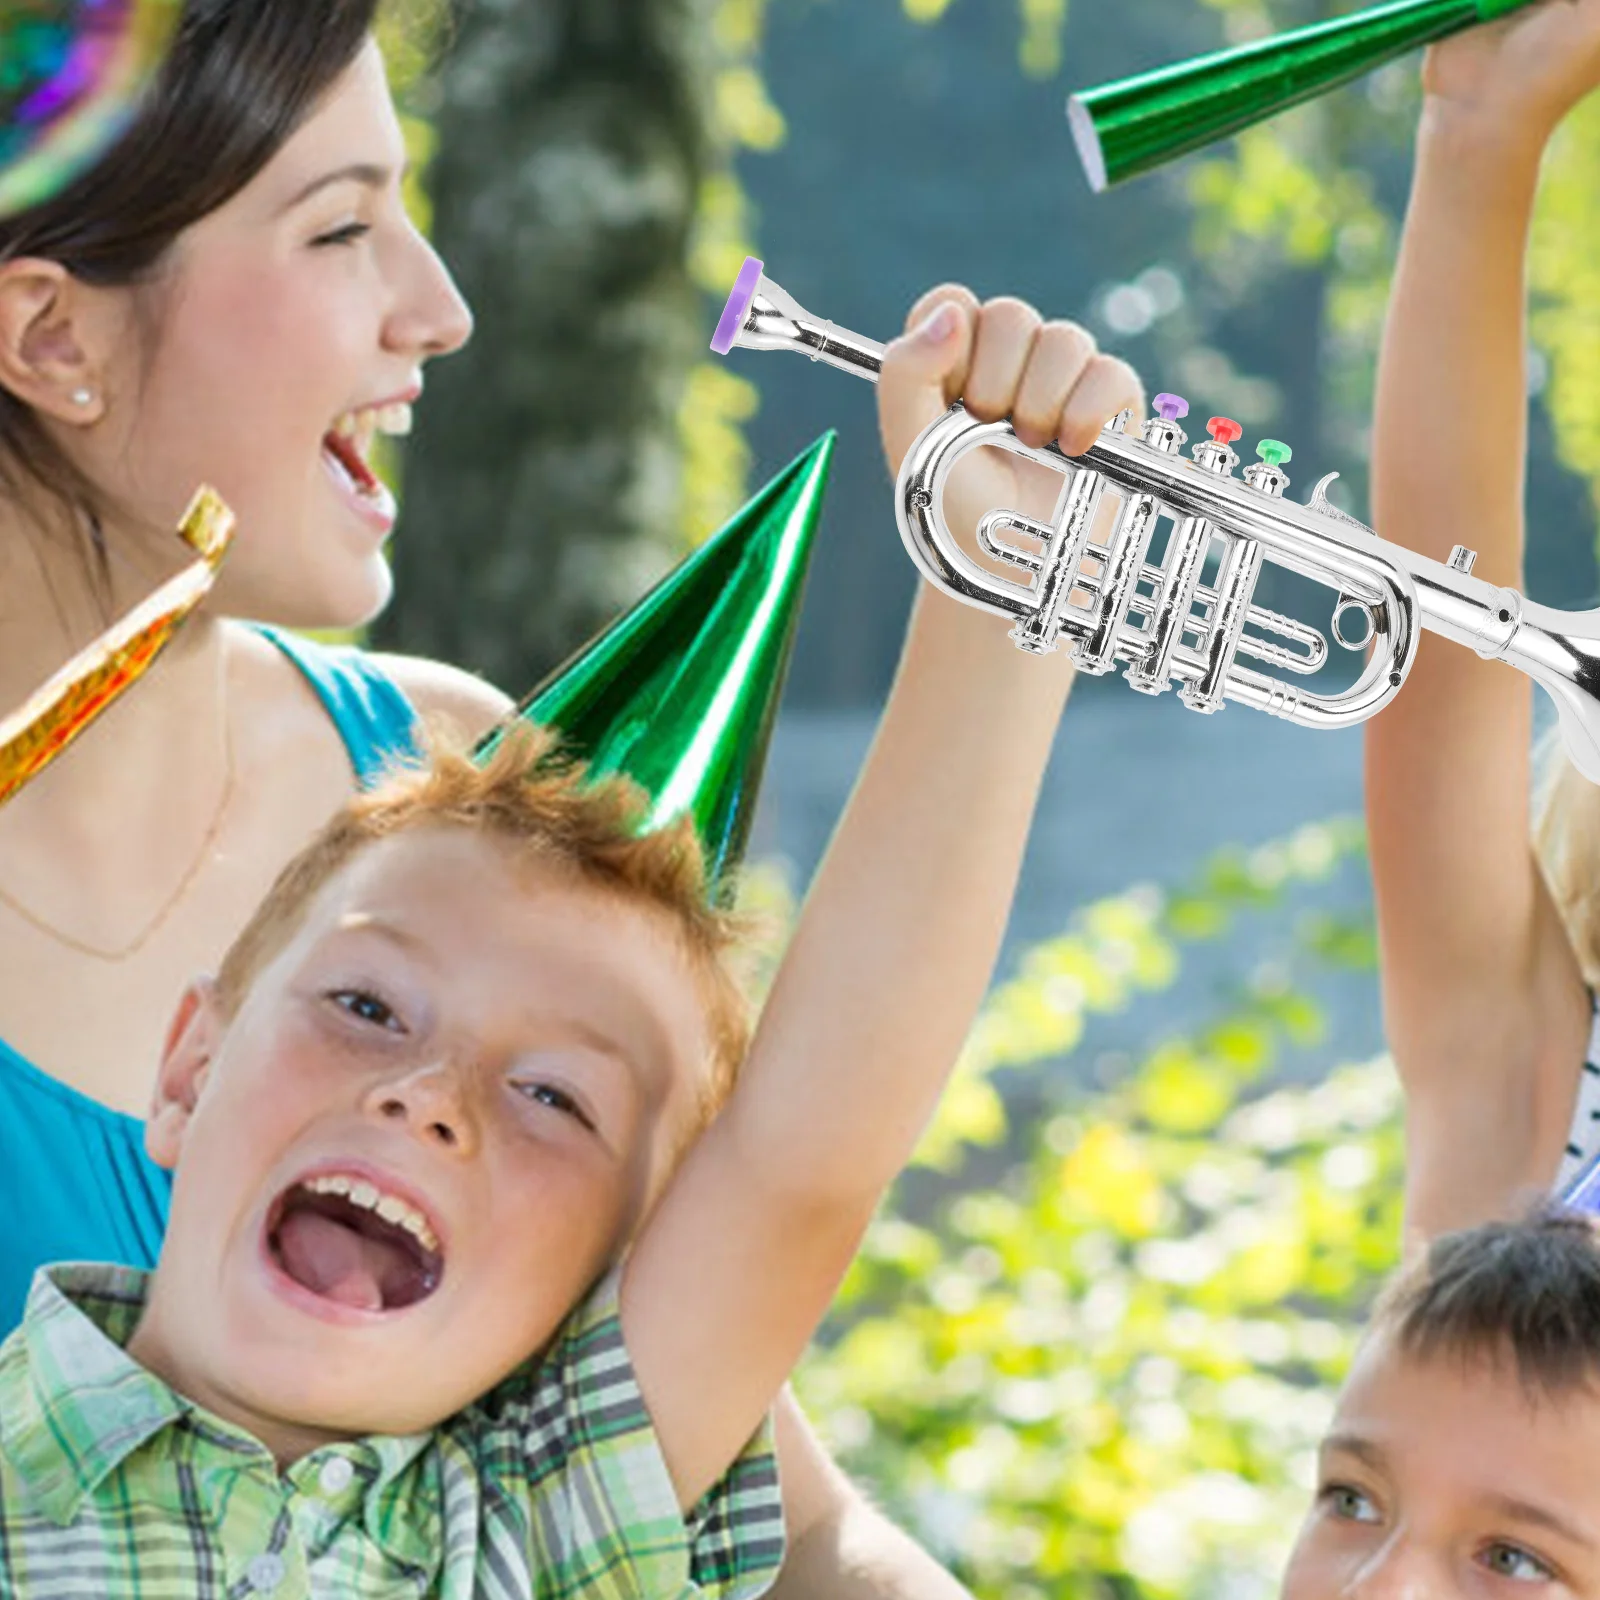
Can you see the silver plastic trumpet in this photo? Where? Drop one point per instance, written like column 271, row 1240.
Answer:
column 1111, row 606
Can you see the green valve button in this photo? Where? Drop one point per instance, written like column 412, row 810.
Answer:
column 1274, row 453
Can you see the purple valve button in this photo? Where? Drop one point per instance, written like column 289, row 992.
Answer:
column 1171, row 407
column 731, row 324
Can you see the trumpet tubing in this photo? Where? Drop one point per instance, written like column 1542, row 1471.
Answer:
column 1158, row 620
column 1109, row 605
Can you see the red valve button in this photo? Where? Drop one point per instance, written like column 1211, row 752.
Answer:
column 1224, row 429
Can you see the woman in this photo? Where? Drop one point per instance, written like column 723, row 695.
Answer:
column 235, row 295
column 1489, row 954
column 160, row 327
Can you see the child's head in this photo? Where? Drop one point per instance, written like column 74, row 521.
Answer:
column 435, row 1087
column 1464, row 1458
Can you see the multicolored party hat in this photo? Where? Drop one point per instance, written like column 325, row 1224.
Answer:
column 680, row 693
column 1128, row 128
column 72, row 73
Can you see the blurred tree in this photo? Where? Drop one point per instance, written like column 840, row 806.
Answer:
column 575, row 140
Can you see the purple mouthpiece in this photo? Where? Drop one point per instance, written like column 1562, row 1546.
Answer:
column 1170, row 407
column 733, row 314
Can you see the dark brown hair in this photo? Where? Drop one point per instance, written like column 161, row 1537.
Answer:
column 1525, row 1292
column 239, row 79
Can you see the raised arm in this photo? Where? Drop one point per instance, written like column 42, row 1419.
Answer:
column 894, row 948
column 1485, row 1008
column 839, row 1546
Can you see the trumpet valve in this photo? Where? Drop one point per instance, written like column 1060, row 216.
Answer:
column 1168, row 611
column 1267, row 474
column 1215, row 454
column 1059, row 564
column 1032, row 640
column 1162, row 432
column 1230, row 610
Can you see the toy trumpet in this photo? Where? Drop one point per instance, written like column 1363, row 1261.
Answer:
column 1128, row 128
column 1110, row 605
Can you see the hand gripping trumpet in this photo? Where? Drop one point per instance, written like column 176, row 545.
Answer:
column 1111, row 606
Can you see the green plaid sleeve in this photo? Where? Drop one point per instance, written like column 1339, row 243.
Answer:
column 573, row 1437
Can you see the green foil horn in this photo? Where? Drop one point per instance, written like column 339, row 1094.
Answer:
column 680, row 693
column 1128, row 128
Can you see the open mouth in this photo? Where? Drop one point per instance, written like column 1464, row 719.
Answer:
column 344, row 1240
column 347, row 446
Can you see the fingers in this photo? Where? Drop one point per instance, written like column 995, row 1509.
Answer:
column 1002, row 351
column 926, row 367
column 1106, row 387
column 1000, row 359
column 1060, row 357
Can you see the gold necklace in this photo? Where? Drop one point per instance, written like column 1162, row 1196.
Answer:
column 185, row 883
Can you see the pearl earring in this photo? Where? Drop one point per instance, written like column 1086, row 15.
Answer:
column 83, row 397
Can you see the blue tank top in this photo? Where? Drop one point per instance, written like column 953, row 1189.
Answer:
column 75, row 1183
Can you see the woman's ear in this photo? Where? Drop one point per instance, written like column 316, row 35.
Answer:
column 192, row 1040
column 47, row 340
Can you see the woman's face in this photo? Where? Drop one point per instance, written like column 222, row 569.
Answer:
column 292, row 324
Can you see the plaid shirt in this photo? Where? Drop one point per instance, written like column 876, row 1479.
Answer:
column 552, row 1486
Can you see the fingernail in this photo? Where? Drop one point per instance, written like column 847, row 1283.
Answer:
column 940, row 325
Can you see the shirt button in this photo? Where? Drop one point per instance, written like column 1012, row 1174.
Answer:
column 265, row 1573
column 336, row 1475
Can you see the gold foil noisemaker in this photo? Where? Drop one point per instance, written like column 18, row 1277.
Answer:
column 61, row 708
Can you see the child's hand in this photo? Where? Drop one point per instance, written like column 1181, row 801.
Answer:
column 1001, row 360
column 1518, row 77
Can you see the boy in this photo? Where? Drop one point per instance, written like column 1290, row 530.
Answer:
column 468, row 1058
column 1460, row 1462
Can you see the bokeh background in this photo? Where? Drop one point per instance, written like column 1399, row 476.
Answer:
column 1093, row 1337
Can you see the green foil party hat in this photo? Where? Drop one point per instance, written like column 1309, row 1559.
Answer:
column 680, row 692
column 1128, row 128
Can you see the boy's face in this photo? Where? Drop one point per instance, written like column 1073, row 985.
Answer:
column 1447, row 1481
column 437, row 1117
